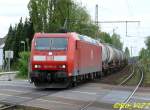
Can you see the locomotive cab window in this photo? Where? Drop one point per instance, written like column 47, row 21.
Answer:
column 51, row 44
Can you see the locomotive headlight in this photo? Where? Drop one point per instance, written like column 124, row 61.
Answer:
column 63, row 66
column 70, row 74
column 37, row 66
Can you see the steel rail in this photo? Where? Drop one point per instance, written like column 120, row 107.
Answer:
column 10, row 72
column 130, row 76
column 123, row 82
column 16, row 104
column 136, row 88
column 87, row 105
column 7, row 107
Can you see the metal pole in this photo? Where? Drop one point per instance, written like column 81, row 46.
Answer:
column 27, row 41
column 126, row 29
column 96, row 19
column 96, row 14
column 23, row 42
column 131, row 51
column 9, row 79
column 24, row 46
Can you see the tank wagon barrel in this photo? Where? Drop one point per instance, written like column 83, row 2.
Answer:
column 112, row 58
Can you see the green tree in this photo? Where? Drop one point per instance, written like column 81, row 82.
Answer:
column 127, row 53
column 9, row 38
column 28, row 33
column 116, row 41
column 147, row 42
column 23, row 64
column 144, row 55
column 20, row 32
column 51, row 15
column 105, row 37
column 18, row 38
column 35, row 16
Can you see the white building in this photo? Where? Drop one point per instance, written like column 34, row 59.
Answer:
column 1, row 52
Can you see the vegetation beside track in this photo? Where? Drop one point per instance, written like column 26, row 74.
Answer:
column 144, row 58
column 135, row 78
column 116, row 77
column 23, row 65
column 146, row 69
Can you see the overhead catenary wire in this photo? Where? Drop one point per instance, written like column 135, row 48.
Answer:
column 120, row 21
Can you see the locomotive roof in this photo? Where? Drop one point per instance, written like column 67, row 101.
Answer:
column 50, row 34
column 87, row 39
column 80, row 37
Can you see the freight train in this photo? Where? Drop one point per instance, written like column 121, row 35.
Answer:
column 60, row 60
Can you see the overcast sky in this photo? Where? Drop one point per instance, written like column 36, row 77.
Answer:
column 10, row 13
column 109, row 10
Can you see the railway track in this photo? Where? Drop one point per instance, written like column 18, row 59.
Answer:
column 123, row 83
column 12, row 106
column 7, row 106
column 129, row 77
column 87, row 104
column 140, row 69
column 121, row 75
column 125, row 70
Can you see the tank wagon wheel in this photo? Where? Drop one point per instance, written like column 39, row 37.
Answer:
column 106, row 73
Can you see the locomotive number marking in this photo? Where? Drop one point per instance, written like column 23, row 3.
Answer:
column 50, row 58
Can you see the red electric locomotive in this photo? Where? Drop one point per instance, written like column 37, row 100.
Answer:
column 63, row 59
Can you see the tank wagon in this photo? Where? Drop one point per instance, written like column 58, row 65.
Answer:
column 112, row 58
column 63, row 59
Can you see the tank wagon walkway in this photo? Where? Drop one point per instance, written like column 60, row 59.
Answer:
column 94, row 95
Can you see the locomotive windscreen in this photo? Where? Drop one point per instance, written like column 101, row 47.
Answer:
column 51, row 44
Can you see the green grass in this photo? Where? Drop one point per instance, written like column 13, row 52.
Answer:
column 123, row 77
column 119, row 80
column 20, row 76
column 132, row 81
column 146, row 81
column 147, row 78
column 137, row 75
column 135, row 78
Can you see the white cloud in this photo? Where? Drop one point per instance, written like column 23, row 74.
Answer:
column 13, row 2
column 10, row 13
column 6, row 21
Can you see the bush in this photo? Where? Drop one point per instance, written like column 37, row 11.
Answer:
column 23, row 64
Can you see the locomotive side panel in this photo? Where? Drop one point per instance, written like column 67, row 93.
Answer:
column 89, row 57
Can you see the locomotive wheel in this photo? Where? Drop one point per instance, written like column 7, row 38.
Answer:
column 74, row 81
column 74, row 84
column 38, row 85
